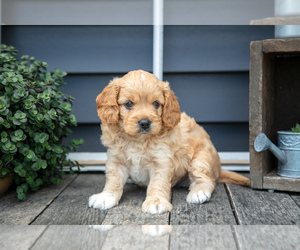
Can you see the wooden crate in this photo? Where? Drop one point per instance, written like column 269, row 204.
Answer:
column 274, row 105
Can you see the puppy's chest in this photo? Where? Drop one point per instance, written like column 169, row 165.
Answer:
column 139, row 170
column 139, row 163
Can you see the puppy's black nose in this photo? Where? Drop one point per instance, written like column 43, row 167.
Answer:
column 144, row 124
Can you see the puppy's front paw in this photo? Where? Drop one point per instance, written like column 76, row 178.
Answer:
column 102, row 201
column 198, row 197
column 156, row 206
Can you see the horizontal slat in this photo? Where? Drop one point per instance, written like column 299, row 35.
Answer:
column 208, row 97
column 224, row 162
column 284, row 46
column 89, row 49
column 110, row 12
column 74, row 12
column 278, row 20
column 110, row 49
column 92, row 163
column 211, row 48
column 273, row 181
column 225, row 136
column 235, row 161
column 92, row 159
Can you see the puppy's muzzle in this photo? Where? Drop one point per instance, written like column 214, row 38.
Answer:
column 144, row 125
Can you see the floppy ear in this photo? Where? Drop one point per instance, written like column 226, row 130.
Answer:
column 107, row 104
column 171, row 111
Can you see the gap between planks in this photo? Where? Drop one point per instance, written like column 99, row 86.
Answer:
column 14, row 212
column 39, row 237
column 49, row 204
column 229, row 195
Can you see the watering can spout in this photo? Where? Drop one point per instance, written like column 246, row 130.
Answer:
column 262, row 143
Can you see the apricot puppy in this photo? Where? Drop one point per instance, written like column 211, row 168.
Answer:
column 149, row 140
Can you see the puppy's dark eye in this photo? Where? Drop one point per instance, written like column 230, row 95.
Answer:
column 128, row 105
column 156, row 105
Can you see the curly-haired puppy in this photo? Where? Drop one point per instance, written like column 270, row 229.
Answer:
column 152, row 142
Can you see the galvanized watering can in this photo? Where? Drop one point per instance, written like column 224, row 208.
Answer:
column 287, row 152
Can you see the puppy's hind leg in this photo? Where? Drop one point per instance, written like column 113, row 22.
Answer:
column 116, row 177
column 202, row 176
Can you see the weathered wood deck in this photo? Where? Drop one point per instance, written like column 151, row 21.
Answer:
column 67, row 204
column 229, row 207
column 145, row 237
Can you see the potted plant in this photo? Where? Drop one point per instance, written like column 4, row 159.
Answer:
column 35, row 116
column 287, row 152
column 296, row 129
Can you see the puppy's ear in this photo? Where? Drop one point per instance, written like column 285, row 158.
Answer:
column 171, row 111
column 107, row 104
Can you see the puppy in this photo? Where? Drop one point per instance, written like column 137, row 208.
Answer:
column 149, row 140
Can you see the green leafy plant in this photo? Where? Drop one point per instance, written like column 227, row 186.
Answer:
column 35, row 116
column 296, row 129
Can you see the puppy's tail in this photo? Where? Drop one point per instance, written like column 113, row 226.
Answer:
column 234, row 178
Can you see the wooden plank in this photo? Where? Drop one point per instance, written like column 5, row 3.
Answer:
column 255, row 111
column 268, row 115
column 129, row 210
column 71, row 207
column 267, row 237
column 19, row 237
column 262, row 110
column 223, row 162
column 296, row 198
column 92, row 163
column 276, row 182
column 137, row 237
column 289, row 45
column 15, row 212
column 217, row 211
column 202, row 237
column 96, row 159
column 279, row 20
column 70, row 237
column 254, row 207
column 235, row 162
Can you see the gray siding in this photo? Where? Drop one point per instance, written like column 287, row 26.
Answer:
column 208, row 97
column 207, row 67
column 225, row 136
column 210, row 48
column 85, row 49
column 119, row 49
column 132, row 12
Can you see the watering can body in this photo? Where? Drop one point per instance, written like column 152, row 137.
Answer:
column 287, row 152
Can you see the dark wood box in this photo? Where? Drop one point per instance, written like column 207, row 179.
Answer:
column 274, row 105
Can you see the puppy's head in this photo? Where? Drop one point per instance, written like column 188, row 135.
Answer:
column 139, row 103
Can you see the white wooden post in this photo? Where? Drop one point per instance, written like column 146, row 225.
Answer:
column 158, row 39
column 287, row 8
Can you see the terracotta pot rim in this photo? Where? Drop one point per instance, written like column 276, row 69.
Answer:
column 6, row 183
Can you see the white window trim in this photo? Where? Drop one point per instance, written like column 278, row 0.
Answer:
column 235, row 161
